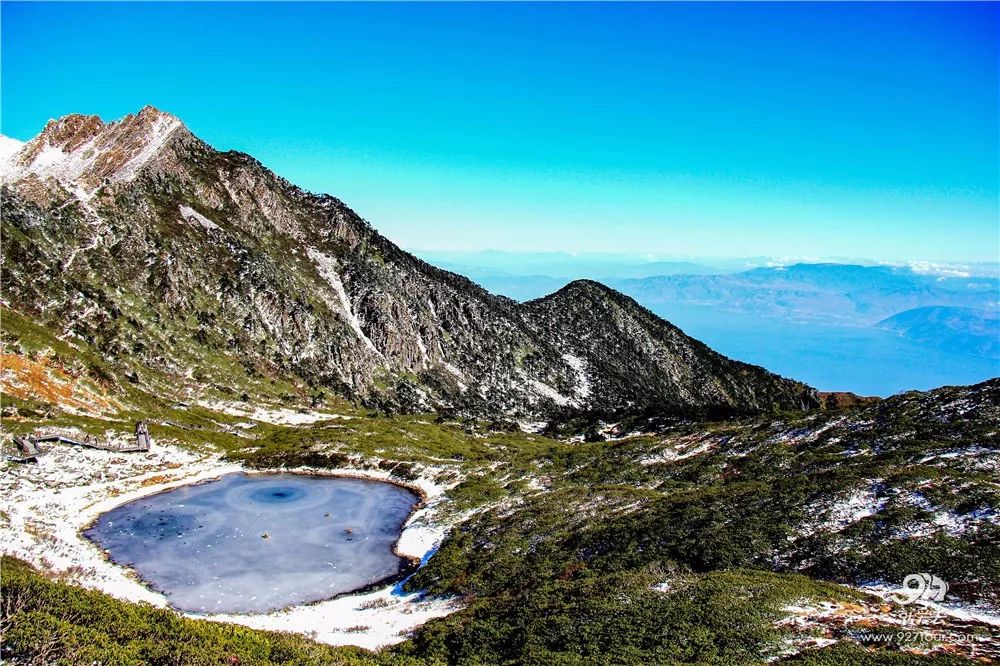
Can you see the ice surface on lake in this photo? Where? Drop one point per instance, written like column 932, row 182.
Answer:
column 255, row 543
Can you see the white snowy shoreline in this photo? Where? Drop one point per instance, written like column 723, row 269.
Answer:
column 46, row 507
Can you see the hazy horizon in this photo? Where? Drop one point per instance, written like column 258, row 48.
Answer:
column 918, row 265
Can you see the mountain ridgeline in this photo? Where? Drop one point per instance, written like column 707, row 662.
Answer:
column 196, row 271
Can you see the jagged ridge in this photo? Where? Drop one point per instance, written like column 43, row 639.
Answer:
column 174, row 258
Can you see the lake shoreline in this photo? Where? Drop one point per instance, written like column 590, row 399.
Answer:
column 135, row 548
column 50, row 505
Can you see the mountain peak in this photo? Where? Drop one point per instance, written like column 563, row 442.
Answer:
column 151, row 111
column 582, row 288
column 82, row 151
column 69, row 132
column 586, row 286
column 595, row 295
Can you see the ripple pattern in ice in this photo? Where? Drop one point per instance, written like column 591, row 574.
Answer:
column 255, row 543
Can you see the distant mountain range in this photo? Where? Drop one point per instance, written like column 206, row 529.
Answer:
column 827, row 293
column 198, row 272
column 570, row 266
column 601, row 265
column 953, row 313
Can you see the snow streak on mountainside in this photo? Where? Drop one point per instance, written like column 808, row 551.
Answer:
column 176, row 260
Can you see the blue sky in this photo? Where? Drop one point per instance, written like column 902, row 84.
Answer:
column 858, row 129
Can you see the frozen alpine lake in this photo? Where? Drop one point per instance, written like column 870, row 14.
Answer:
column 252, row 543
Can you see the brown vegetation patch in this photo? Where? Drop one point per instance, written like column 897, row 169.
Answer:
column 46, row 381
column 158, row 479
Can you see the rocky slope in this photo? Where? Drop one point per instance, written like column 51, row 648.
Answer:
column 639, row 361
column 196, row 270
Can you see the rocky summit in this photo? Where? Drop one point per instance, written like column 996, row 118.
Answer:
column 196, row 273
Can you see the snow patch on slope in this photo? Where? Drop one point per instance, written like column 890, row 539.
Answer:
column 580, row 367
column 860, row 504
column 52, row 162
column 8, row 148
column 190, row 214
column 328, row 271
column 679, row 449
column 543, row 390
column 949, row 521
column 272, row 415
column 67, row 167
column 459, row 376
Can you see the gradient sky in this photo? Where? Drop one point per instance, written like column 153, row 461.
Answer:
column 858, row 129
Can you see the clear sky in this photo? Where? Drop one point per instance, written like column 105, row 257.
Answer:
column 719, row 129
